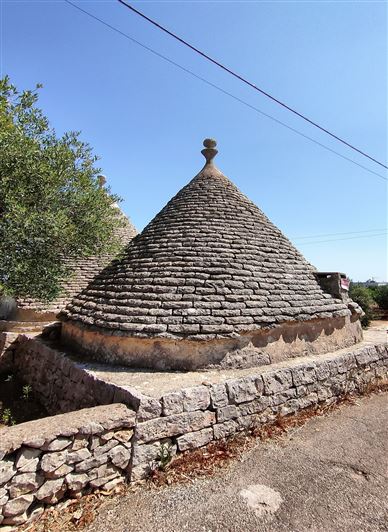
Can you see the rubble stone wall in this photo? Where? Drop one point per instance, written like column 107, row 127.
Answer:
column 49, row 459
column 44, row 461
column 63, row 385
column 196, row 416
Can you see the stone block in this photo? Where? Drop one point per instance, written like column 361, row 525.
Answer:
column 57, row 445
column 218, row 396
column 227, row 412
column 16, row 520
column 172, row 403
column 322, row 370
column 196, row 398
column 76, row 481
column 254, row 407
column 123, row 436
column 18, row 506
column 192, row 440
column 102, row 449
column 91, row 463
column 277, row 381
column 52, row 461
column 242, row 390
column 7, row 471
column 175, row 425
column 149, row 408
column 24, row 483
column 223, row 430
column 120, row 456
column 78, row 456
column 283, row 397
column 27, row 459
column 303, row 374
column 51, row 491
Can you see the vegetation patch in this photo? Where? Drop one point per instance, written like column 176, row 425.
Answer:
column 18, row 402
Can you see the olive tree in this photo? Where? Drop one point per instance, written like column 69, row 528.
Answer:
column 51, row 203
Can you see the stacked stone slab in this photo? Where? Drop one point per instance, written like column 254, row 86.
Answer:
column 210, row 281
column 82, row 271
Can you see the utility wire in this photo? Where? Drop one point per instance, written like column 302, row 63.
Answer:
column 249, row 83
column 338, row 239
column 335, row 234
column 165, row 58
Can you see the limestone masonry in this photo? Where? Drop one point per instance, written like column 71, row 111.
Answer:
column 210, row 281
column 47, row 460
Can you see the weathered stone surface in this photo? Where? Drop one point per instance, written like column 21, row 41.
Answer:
column 57, row 445
column 79, row 442
column 192, row 440
column 196, row 398
column 25, row 483
column 120, row 456
column 223, row 430
column 102, row 449
column 76, row 481
column 254, row 407
column 7, row 471
column 303, row 375
column 15, row 520
column 77, row 456
column 123, row 436
column 17, row 506
column 51, row 491
column 277, row 381
column 149, row 408
column 218, row 396
column 242, row 390
column 227, row 412
column 27, row 459
column 52, row 461
column 173, row 425
column 172, row 403
column 90, row 463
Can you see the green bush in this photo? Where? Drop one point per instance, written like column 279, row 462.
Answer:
column 362, row 296
column 381, row 296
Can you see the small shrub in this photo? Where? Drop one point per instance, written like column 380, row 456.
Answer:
column 362, row 296
column 381, row 296
column 27, row 389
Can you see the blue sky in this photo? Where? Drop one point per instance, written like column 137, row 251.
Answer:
column 146, row 119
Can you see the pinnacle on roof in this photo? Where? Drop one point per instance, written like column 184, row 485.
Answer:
column 209, row 265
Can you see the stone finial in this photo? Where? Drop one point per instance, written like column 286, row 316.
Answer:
column 101, row 180
column 209, row 152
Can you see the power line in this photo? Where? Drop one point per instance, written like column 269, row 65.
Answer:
column 335, row 234
column 220, row 89
column 249, row 83
column 338, row 239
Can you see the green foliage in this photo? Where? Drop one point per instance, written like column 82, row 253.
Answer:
column 164, row 456
column 362, row 296
column 51, row 204
column 380, row 294
column 27, row 389
column 7, row 417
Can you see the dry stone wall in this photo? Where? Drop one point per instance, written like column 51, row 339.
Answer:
column 196, row 416
column 64, row 385
column 46, row 460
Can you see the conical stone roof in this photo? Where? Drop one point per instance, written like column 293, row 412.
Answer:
column 82, row 271
column 209, row 265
